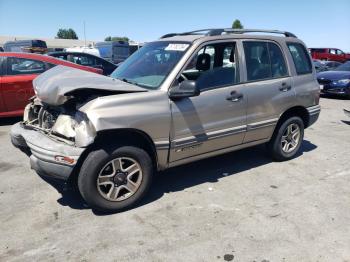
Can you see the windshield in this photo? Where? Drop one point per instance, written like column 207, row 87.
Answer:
column 150, row 65
column 343, row 67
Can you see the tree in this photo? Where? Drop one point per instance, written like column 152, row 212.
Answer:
column 237, row 24
column 66, row 34
column 117, row 38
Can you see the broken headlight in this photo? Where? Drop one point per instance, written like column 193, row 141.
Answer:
column 77, row 128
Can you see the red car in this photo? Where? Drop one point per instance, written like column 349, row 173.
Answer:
column 329, row 54
column 17, row 71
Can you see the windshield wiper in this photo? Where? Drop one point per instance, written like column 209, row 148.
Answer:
column 133, row 82
column 129, row 81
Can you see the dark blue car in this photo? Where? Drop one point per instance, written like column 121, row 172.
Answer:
column 337, row 81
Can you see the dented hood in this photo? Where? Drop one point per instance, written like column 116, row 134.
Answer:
column 56, row 85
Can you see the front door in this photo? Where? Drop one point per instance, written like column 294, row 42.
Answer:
column 17, row 85
column 216, row 119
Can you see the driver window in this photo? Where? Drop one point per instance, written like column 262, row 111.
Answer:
column 23, row 66
column 339, row 52
column 213, row 66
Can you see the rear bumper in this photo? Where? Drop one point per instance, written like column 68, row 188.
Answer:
column 314, row 112
column 46, row 154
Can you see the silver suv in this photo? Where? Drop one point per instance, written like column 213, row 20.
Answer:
column 179, row 99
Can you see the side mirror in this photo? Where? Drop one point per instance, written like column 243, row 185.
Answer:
column 186, row 88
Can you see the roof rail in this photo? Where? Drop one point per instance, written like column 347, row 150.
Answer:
column 220, row 31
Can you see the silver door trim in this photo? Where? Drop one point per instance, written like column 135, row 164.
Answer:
column 262, row 124
column 191, row 140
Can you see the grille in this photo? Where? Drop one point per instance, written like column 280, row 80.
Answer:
column 324, row 81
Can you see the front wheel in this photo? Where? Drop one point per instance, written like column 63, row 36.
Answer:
column 114, row 180
column 287, row 139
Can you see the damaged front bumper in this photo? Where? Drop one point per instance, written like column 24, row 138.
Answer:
column 47, row 156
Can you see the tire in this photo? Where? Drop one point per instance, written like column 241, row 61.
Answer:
column 277, row 148
column 102, row 165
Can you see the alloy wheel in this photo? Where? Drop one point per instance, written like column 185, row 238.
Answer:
column 290, row 138
column 119, row 179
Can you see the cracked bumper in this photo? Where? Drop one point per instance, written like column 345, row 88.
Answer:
column 46, row 154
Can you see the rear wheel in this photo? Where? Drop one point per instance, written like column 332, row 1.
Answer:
column 287, row 139
column 113, row 180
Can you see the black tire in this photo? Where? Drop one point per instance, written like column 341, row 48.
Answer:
column 96, row 161
column 275, row 145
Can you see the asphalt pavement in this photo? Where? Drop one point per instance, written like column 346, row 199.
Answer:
column 236, row 207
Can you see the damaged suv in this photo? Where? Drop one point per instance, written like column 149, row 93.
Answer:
column 182, row 98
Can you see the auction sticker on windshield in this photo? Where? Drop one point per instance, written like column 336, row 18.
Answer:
column 176, row 47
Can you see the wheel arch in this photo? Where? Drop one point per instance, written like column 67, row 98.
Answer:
column 299, row 111
column 125, row 137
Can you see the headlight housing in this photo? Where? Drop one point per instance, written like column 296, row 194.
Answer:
column 77, row 128
column 343, row 81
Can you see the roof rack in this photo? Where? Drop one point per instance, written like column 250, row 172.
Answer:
column 220, row 31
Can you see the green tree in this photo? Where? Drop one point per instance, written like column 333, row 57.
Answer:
column 237, row 24
column 66, row 34
column 117, row 38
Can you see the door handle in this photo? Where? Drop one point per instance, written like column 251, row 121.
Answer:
column 234, row 97
column 285, row 87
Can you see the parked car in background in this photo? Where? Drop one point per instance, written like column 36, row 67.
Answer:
column 133, row 47
column 330, row 65
column 319, row 65
column 86, row 59
column 17, row 71
column 329, row 54
column 29, row 46
column 113, row 51
column 177, row 100
column 337, row 81
column 82, row 49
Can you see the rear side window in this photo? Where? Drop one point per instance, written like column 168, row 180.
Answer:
column 257, row 60
column 264, row 60
column 278, row 64
column 301, row 58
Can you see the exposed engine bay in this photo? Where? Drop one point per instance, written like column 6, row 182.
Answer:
column 60, row 92
column 63, row 123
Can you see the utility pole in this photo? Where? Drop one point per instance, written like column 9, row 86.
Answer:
column 84, row 34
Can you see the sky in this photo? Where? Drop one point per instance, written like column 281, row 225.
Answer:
column 319, row 23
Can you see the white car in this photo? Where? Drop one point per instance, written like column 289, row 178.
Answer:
column 83, row 49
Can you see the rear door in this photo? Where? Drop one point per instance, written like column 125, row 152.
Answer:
column 17, row 80
column 268, row 86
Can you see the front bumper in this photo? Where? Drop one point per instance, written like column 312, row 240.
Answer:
column 314, row 112
column 47, row 156
column 338, row 90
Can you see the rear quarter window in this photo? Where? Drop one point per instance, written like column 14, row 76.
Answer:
column 300, row 58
